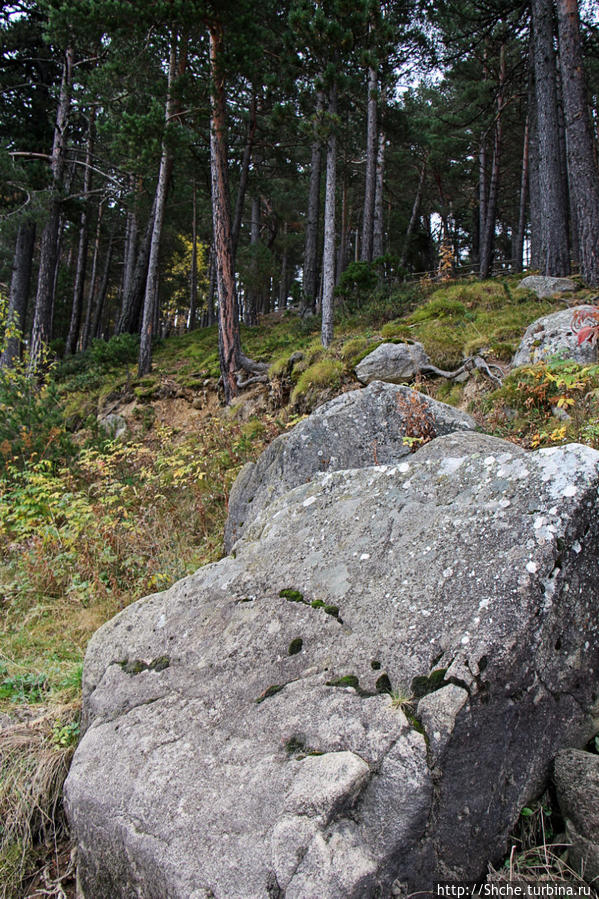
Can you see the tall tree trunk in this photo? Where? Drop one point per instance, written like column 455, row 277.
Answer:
column 129, row 253
column 555, row 248
column 328, row 256
column 518, row 241
column 414, row 216
column 243, row 177
column 41, row 332
column 91, row 294
column 77, row 308
column 193, row 278
column 342, row 249
column 310, row 274
column 250, row 315
column 534, row 191
column 128, row 321
column 19, row 291
column 582, row 167
column 101, row 298
column 378, row 232
column 488, row 233
column 151, row 293
column 283, row 276
column 228, row 322
column 370, row 178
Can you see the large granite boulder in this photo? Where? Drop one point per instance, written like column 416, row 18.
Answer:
column 547, row 286
column 361, row 700
column 576, row 777
column 356, row 429
column 554, row 335
column 393, row 362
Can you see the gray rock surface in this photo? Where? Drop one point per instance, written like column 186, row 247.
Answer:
column 553, row 335
column 545, row 286
column 223, row 756
column 576, row 775
column 394, row 362
column 114, row 425
column 356, row 429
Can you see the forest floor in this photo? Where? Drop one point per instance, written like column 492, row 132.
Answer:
column 90, row 522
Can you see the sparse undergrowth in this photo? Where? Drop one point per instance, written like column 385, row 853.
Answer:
column 89, row 523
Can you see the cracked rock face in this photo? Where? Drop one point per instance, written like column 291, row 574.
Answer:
column 554, row 335
column 237, row 741
column 354, row 430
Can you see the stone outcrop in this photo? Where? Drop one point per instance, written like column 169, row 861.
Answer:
column 554, row 335
column 354, row 430
column 576, row 777
column 546, row 286
column 393, row 362
column 361, row 699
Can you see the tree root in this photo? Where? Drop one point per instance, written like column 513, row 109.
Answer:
column 493, row 372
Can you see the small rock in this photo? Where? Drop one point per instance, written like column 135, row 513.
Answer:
column 545, row 286
column 114, row 425
column 394, row 362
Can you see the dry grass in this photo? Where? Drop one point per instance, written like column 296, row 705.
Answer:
column 34, row 763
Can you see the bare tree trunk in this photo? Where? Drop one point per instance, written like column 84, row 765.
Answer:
column 86, row 332
column 19, row 292
column 342, row 250
column 328, row 257
column 534, row 195
column 77, row 308
column 151, row 294
column 555, row 245
column 250, row 315
column 378, row 233
column 582, row 167
column 228, row 321
column 243, row 177
column 283, row 277
column 128, row 321
column 414, row 216
column 96, row 325
column 488, row 233
column 310, row 279
column 518, row 242
column 193, row 279
column 129, row 254
column 42, row 321
column 370, row 179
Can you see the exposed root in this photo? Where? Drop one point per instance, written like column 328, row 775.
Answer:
column 472, row 363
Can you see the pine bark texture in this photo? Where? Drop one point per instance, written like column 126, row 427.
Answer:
column 582, row 168
column 310, row 274
column 487, row 236
column 133, row 298
column 553, row 225
column 328, row 256
column 370, row 178
column 78, row 289
column 378, row 232
column 228, row 322
column 518, row 237
column 41, row 331
column 151, row 293
column 19, row 291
